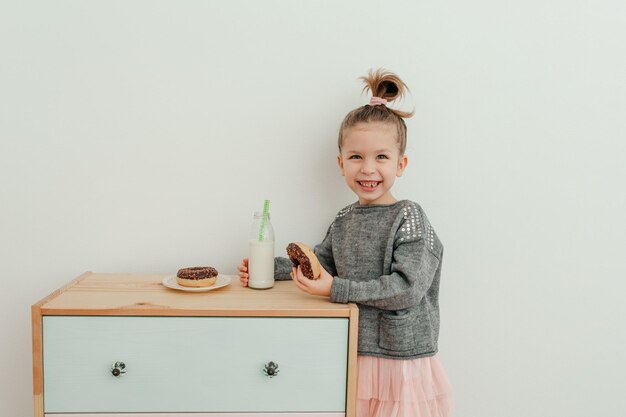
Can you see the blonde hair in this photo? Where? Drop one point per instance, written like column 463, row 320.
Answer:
column 388, row 86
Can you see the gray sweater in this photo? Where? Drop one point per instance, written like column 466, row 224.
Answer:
column 387, row 260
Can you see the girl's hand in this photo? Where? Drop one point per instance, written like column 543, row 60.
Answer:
column 243, row 272
column 319, row 286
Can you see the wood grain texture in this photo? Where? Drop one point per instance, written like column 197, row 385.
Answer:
column 37, row 361
column 144, row 295
column 37, row 350
column 64, row 288
column 353, row 335
column 38, row 405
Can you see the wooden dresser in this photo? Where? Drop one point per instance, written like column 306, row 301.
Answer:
column 124, row 345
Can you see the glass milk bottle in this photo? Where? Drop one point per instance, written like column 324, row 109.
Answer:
column 261, row 253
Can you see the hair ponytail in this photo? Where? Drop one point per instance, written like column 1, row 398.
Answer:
column 386, row 86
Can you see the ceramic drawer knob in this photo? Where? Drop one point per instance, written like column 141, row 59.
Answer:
column 271, row 369
column 118, row 369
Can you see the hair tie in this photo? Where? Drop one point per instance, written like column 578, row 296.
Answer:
column 375, row 101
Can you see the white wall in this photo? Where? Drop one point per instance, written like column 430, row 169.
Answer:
column 139, row 136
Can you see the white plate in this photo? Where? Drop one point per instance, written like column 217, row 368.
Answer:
column 170, row 282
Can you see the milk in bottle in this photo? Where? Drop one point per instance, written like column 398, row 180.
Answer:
column 261, row 253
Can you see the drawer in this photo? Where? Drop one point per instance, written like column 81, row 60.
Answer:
column 194, row 364
column 200, row 415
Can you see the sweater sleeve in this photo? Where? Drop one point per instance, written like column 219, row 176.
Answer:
column 282, row 268
column 415, row 262
column 324, row 253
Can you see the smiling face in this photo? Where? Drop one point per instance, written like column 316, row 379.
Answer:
column 370, row 161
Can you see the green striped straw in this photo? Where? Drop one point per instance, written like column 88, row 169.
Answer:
column 266, row 212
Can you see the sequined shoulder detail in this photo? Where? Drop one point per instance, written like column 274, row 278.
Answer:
column 416, row 225
column 345, row 211
column 341, row 213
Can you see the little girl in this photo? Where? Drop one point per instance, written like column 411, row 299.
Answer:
column 383, row 255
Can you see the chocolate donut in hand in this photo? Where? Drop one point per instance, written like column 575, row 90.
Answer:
column 301, row 254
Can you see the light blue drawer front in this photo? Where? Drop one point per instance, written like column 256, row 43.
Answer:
column 194, row 364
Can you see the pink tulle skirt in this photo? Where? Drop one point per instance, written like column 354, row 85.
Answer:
column 402, row 388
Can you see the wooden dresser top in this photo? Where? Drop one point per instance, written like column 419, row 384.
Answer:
column 144, row 295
